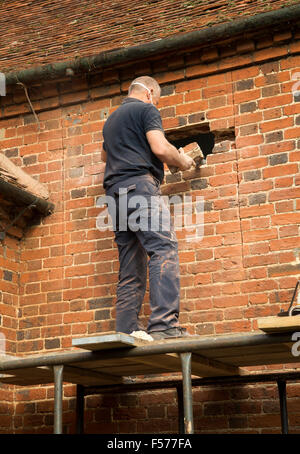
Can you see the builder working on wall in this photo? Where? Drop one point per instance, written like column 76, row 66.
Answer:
column 134, row 150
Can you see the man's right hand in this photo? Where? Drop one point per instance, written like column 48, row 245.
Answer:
column 186, row 161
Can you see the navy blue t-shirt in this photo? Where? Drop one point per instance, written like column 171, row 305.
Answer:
column 126, row 145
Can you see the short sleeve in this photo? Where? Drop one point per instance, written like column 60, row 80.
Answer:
column 152, row 118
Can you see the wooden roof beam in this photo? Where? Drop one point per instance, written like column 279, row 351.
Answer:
column 22, row 189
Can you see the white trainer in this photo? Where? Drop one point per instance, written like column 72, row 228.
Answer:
column 142, row 335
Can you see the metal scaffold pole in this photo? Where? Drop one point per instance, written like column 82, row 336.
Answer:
column 187, row 392
column 58, row 397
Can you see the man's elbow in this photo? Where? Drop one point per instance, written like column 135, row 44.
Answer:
column 161, row 152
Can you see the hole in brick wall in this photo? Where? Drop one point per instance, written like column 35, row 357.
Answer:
column 200, row 133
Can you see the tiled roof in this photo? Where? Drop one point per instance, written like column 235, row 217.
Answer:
column 38, row 32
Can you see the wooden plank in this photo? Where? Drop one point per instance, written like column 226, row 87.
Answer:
column 21, row 381
column 143, row 366
column 222, row 353
column 205, row 367
column 108, row 341
column 42, row 371
column 18, row 177
column 201, row 366
column 258, row 355
column 219, row 361
column 279, row 324
column 101, row 363
column 262, row 359
column 43, row 375
column 88, row 377
column 28, row 376
column 169, row 362
column 133, row 369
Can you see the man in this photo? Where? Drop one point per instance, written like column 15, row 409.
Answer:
column 134, row 150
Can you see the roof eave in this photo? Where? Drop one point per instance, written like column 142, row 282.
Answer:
column 165, row 45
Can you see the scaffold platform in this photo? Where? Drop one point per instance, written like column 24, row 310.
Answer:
column 120, row 362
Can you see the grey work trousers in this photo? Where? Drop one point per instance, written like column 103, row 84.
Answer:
column 145, row 236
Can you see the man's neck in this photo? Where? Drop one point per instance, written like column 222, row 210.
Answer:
column 139, row 98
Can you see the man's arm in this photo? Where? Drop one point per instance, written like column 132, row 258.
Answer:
column 166, row 152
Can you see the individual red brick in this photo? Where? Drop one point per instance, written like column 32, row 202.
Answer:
column 255, row 186
column 284, row 194
column 277, row 147
column 274, row 101
column 227, row 302
column 172, row 100
column 249, row 140
column 188, row 85
column 246, row 96
column 280, row 170
column 291, row 109
column 231, row 327
column 257, row 273
column 269, row 53
column 223, row 180
column 210, row 54
column 220, row 112
column 271, row 114
column 259, row 235
column 248, row 118
column 235, row 61
column 200, row 70
column 284, row 244
column 245, row 46
column 261, row 210
column 248, row 130
column 283, row 182
column 165, row 77
column 291, row 133
column 214, row 103
column 294, row 156
column 217, row 90
column 276, row 124
column 245, row 73
column 191, row 107
column 254, row 163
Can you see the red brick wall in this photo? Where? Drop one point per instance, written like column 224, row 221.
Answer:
column 10, row 267
column 245, row 267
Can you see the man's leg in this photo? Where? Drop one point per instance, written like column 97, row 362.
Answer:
column 159, row 240
column 160, row 244
column 132, row 282
column 163, row 282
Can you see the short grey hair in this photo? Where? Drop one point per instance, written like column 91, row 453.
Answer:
column 148, row 81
